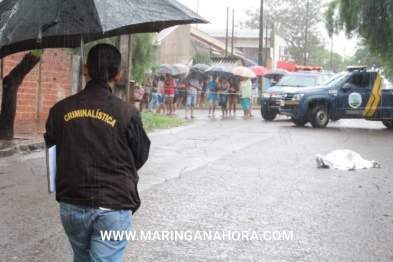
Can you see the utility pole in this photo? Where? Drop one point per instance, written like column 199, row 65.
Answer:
column 226, row 38
column 331, row 56
column 305, row 42
column 260, row 54
column 233, row 29
column 196, row 25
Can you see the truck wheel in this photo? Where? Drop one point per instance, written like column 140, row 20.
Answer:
column 268, row 115
column 319, row 117
column 299, row 122
column 388, row 123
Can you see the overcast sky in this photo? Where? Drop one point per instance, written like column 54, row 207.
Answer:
column 215, row 11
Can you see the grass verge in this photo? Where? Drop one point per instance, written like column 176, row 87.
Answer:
column 153, row 122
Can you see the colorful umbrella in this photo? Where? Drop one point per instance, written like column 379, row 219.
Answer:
column 259, row 70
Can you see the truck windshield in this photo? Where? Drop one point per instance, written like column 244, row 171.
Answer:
column 297, row 80
column 334, row 80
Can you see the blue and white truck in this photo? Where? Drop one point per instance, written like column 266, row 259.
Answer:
column 355, row 93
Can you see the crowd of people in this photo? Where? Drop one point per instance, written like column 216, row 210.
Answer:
column 167, row 93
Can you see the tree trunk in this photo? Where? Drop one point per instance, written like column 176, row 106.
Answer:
column 11, row 85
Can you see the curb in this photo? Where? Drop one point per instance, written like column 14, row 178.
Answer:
column 23, row 147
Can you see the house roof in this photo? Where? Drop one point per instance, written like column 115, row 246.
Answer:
column 203, row 37
column 215, row 45
column 238, row 33
column 228, row 62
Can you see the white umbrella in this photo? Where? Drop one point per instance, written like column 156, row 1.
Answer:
column 182, row 68
column 243, row 71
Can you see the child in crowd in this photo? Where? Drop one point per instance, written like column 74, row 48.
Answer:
column 223, row 99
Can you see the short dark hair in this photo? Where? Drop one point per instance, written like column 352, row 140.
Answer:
column 162, row 78
column 103, row 62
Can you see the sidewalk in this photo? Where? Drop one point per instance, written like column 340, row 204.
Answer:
column 27, row 137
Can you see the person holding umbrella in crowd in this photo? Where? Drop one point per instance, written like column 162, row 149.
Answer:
column 213, row 95
column 192, row 87
column 146, row 96
column 232, row 95
column 169, row 86
column 223, row 99
column 161, row 95
column 154, row 97
column 245, row 93
column 203, row 95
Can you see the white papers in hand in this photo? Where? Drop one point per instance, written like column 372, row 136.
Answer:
column 51, row 168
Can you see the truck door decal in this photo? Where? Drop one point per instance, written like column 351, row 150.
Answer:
column 375, row 97
column 354, row 100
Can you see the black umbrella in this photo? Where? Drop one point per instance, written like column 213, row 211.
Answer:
column 199, row 75
column 37, row 24
column 168, row 69
column 219, row 71
column 276, row 72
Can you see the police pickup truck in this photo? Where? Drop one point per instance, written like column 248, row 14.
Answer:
column 355, row 93
column 301, row 77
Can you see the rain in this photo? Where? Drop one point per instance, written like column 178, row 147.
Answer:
column 304, row 177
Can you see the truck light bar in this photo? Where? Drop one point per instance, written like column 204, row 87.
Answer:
column 308, row 68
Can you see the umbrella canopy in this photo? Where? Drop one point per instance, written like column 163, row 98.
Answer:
column 182, row 68
column 275, row 72
column 219, row 71
column 37, row 24
column 243, row 71
column 168, row 69
column 259, row 70
column 200, row 67
column 199, row 75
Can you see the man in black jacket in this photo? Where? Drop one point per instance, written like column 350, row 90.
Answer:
column 100, row 144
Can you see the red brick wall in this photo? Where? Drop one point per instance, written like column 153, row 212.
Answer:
column 37, row 94
column 55, row 79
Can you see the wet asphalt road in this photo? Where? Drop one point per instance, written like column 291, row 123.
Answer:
column 234, row 176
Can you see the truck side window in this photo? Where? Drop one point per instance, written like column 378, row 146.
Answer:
column 360, row 81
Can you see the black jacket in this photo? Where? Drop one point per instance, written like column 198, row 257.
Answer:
column 100, row 145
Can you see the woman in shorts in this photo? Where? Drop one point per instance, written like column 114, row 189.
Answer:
column 161, row 95
column 169, row 87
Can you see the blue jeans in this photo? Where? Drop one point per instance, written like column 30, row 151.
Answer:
column 83, row 226
column 154, row 99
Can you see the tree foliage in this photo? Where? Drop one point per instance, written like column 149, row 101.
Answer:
column 202, row 57
column 371, row 20
column 143, row 56
column 292, row 15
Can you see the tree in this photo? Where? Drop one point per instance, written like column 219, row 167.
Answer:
column 292, row 15
column 370, row 20
column 202, row 57
column 143, row 56
column 11, row 84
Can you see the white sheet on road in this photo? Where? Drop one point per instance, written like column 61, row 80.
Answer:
column 344, row 160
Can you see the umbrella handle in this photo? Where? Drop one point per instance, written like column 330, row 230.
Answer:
column 43, row 28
